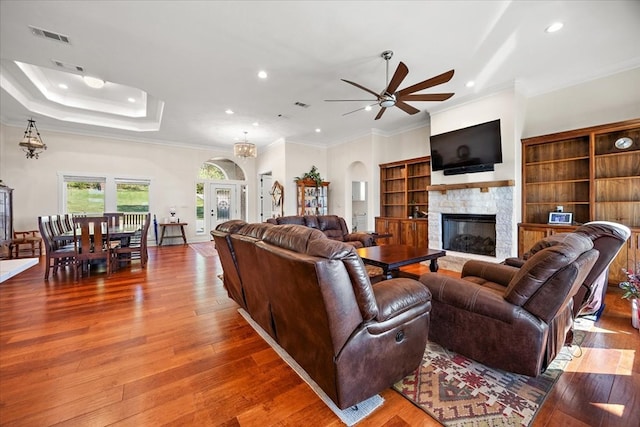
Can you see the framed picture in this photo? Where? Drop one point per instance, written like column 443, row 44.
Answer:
column 560, row 217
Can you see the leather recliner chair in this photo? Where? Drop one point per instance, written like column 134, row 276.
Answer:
column 503, row 316
column 608, row 238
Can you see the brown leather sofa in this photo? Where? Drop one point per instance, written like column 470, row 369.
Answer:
column 313, row 296
column 333, row 226
column 510, row 318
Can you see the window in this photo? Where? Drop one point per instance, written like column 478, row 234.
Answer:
column 200, row 207
column 132, row 196
column 98, row 194
column 84, row 194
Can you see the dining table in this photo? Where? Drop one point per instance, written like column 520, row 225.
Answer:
column 122, row 232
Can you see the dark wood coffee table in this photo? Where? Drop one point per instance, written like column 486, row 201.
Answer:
column 391, row 257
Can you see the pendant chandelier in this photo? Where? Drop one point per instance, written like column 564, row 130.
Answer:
column 244, row 149
column 32, row 144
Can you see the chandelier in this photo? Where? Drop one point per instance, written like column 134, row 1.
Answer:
column 244, row 149
column 32, row 144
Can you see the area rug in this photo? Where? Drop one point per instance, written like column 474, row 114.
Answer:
column 349, row 416
column 458, row 391
column 206, row 249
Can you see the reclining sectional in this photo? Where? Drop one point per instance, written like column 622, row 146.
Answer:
column 333, row 226
column 312, row 294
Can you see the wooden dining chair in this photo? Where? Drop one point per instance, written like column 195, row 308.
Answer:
column 137, row 248
column 132, row 218
column 114, row 218
column 91, row 242
column 56, row 256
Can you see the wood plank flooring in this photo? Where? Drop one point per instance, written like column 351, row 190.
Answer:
column 166, row 346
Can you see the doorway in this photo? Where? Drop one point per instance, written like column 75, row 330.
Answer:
column 223, row 204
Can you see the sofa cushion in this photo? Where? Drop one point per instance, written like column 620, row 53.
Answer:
column 331, row 249
column 292, row 237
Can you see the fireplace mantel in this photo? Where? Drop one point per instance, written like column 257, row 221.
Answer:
column 483, row 186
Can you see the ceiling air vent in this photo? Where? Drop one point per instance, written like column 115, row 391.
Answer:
column 66, row 66
column 302, row 104
column 49, row 34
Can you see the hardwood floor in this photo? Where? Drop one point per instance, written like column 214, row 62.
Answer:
column 166, row 346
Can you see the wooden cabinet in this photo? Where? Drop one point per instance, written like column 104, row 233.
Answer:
column 312, row 199
column 388, row 226
column 414, row 232
column 592, row 172
column 403, row 199
column 530, row 234
column 6, row 218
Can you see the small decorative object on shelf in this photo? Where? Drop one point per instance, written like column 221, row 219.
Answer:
column 632, row 292
column 173, row 218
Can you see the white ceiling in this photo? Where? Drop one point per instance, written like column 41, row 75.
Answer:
column 202, row 57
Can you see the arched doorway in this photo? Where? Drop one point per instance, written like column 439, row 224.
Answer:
column 220, row 194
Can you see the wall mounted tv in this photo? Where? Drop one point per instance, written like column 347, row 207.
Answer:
column 472, row 149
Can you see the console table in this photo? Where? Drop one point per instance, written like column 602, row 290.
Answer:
column 163, row 227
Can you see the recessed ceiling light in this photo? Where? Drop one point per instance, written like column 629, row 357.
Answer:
column 256, row 124
column 262, row 74
column 63, row 86
column 470, row 83
column 318, row 130
column 367, row 108
column 556, row 26
column 93, row 82
column 228, row 111
column 131, row 100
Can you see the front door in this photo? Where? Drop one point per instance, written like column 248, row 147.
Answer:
column 223, row 204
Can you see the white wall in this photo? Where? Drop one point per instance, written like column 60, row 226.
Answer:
column 607, row 100
column 173, row 172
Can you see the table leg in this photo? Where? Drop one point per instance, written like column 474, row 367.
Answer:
column 184, row 237
column 433, row 266
column 162, row 235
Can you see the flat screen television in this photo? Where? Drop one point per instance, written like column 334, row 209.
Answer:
column 472, row 149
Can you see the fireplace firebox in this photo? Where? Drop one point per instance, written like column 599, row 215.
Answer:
column 469, row 233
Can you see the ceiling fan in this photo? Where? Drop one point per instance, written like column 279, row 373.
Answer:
column 390, row 97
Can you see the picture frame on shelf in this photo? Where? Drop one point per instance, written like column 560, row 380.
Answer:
column 560, row 218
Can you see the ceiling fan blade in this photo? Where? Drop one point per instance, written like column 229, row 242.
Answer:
column 406, row 108
column 398, row 77
column 346, row 100
column 361, row 87
column 350, row 112
column 380, row 113
column 427, row 97
column 433, row 81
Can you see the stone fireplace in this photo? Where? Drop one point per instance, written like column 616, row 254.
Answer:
column 469, row 233
column 496, row 199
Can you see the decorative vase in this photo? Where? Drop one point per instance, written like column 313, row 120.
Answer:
column 635, row 320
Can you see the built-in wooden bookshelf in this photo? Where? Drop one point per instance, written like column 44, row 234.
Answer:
column 404, row 196
column 589, row 175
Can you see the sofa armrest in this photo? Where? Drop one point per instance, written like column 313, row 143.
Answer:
column 364, row 238
column 399, row 300
column 489, row 271
column 514, row 262
column 471, row 297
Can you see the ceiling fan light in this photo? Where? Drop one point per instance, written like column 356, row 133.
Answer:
column 386, row 103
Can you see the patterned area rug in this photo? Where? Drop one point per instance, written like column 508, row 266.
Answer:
column 457, row 391
column 206, row 249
